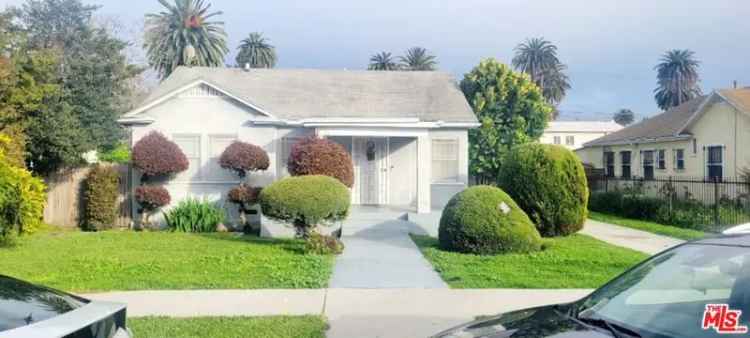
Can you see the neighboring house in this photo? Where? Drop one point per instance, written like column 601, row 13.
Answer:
column 406, row 131
column 707, row 137
column 573, row 134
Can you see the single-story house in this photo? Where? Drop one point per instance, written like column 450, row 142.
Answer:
column 706, row 137
column 573, row 134
column 406, row 131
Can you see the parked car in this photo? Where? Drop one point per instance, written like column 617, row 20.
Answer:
column 697, row 289
column 32, row 311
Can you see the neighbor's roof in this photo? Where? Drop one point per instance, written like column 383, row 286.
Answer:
column 294, row 94
column 582, row 127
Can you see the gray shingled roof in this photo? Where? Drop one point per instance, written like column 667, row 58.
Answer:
column 305, row 93
column 666, row 124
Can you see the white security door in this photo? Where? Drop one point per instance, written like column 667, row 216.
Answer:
column 371, row 169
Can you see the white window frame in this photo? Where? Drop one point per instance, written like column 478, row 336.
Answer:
column 570, row 140
column 211, row 137
column 661, row 156
column 199, row 174
column 707, row 155
column 676, row 160
column 433, row 159
column 557, row 139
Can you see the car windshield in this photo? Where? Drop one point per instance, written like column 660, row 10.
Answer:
column 23, row 304
column 667, row 295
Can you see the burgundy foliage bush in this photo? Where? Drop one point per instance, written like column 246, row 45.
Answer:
column 318, row 156
column 244, row 195
column 155, row 155
column 151, row 197
column 243, row 157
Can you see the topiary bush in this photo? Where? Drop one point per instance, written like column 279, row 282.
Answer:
column 22, row 199
column 150, row 198
column 485, row 220
column 306, row 201
column 192, row 215
column 242, row 157
column 100, row 198
column 548, row 182
column 319, row 156
column 155, row 155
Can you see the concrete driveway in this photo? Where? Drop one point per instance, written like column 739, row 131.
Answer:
column 381, row 255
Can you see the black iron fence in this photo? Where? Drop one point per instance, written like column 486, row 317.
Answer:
column 701, row 203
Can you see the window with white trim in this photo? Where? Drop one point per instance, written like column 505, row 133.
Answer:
column 556, row 140
column 609, row 163
column 285, row 149
column 715, row 162
column 679, row 159
column 190, row 144
column 570, row 140
column 625, row 160
column 661, row 159
column 647, row 159
column 216, row 146
column 444, row 160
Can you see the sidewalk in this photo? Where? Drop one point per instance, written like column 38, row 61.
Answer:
column 350, row 312
column 629, row 238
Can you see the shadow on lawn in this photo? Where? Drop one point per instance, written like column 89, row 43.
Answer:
column 295, row 246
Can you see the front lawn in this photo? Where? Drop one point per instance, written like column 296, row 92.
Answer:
column 125, row 260
column 656, row 228
column 229, row 327
column 576, row 261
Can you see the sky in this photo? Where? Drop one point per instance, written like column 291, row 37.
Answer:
column 609, row 46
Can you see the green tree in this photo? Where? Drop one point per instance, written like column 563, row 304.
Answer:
column 538, row 58
column 511, row 110
column 183, row 35
column 382, row 61
column 677, row 78
column 418, row 59
column 256, row 51
column 624, row 117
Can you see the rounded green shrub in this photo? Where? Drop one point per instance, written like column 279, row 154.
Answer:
column 100, row 194
column 548, row 182
column 485, row 220
column 306, row 201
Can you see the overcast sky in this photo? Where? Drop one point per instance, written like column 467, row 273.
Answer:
column 610, row 47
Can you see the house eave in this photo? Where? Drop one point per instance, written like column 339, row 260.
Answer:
column 129, row 121
column 639, row 141
column 368, row 123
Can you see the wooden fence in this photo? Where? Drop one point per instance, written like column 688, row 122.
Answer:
column 65, row 197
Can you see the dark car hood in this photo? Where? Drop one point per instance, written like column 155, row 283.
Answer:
column 22, row 303
column 530, row 323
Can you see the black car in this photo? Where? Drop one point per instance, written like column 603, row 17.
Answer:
column 697, row 289
column 31, row 311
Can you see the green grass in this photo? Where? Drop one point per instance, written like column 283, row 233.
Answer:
column 229, row 327
column 576, row 261
column 656, row 228
column 124, row 260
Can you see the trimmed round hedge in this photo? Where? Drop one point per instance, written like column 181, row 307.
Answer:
column 155, row 155
column 242, row 157
column 485, row 220
column 319, row 156
column 549, row 183
column 306, row 201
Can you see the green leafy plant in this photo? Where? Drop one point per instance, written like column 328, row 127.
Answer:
column 101, row 190
column 548, row 182
column 319, row 244
column 485, row 220
column 119, row 154
column 306, row 201
column 192, row 215
column 22, row 199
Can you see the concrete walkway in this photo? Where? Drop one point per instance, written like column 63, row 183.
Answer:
column 630, row 238
column 350, row 312
column 381, row 255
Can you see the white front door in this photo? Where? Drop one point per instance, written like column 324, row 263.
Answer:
column 371, row 170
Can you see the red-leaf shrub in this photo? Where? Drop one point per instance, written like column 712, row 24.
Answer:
column 319, row 156
column 244, row 195
column 152, row 197
column 243, row 157
column 155, row 155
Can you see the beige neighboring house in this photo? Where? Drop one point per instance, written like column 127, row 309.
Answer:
column 707, row 137
column 573, row 134
column 407, row 132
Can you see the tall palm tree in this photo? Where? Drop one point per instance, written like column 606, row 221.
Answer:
column 257, row 52
column 382, row 61
column 538, row 58
column 417, row 58
column 183, row 35
column 677, row 78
